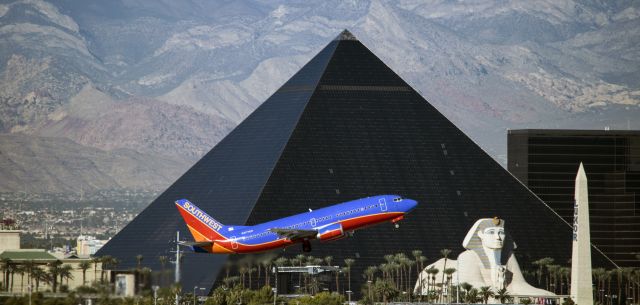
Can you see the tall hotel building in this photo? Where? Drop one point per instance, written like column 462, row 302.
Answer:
column 546, row 161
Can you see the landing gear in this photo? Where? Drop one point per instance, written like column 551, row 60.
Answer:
column 306, row 246
column 396, row 220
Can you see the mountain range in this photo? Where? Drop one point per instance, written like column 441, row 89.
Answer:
column 141, row 89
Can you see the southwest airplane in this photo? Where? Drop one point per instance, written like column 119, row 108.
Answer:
column 326, row 224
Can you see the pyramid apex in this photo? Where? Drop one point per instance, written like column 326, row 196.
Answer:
column 345, row 35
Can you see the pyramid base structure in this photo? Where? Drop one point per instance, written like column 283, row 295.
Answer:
column 346, row 127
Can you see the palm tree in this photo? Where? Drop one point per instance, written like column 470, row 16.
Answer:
column 389, row 258
column 38, row 275
column 553, row 271
column 266, row 264
column 328, row 259
column 108, row 263
column 542, row 265
column 472, row 296
column 486, row 293
column 349, row 262
column 296, row 262
column 467, row 287
column 281, row 261
column 139, row 259
column 449, row 272
column 406, row 264
column 145, row 275
column 370, row 272
column 422, row 259
column 28, row 268
column 6, row 268
column 105, row 261
column 609, row 276
column 299, row 260
column 502, row 295
column 627, row 273
column 400, row 263
column 65, row 273
column 403, row 266
column 96, row 260
column 565, row 277
column 12, row 273
column 163, row 263
column 84, row 265
column 636, row 287
column 250, row 270
column 618, row 273
column 599, row 275
column 409, row 263
column 445, row 254
column 54, row 272
column 384, row 268
column 242, row 270
column 417, row 254
column 394, row 272
column 20, row 270
column 433, row 272
column 385, row 289
column 231, row 281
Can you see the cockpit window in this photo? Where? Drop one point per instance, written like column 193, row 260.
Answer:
column 397, row 199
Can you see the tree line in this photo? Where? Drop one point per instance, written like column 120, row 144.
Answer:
column 393, row 279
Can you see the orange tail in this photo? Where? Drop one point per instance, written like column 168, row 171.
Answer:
column 202, row 226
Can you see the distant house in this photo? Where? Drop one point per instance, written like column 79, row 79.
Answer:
column 88, row 245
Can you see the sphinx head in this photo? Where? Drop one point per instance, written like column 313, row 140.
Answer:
column 492, row 237
column 488, row 233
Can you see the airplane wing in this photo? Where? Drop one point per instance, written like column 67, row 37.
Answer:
column 294, row 233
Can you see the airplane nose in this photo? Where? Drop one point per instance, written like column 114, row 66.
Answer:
column 411, row 204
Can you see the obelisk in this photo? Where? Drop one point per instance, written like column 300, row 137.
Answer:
column 581, row 284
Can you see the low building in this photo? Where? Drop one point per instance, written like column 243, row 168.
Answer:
column 9, row 239
column 23, row 263
column 20, row 279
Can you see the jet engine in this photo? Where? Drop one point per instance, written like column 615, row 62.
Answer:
column 331, row 232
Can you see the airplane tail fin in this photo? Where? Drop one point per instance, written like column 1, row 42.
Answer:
column 203, row 227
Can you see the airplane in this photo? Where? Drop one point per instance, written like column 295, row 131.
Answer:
column 325, row 224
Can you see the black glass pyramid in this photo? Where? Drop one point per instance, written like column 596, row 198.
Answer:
column 345, row 127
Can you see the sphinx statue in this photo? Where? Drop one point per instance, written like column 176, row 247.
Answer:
column 487, row 261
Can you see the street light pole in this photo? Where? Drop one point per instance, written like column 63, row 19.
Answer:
column 155, row 294
column 177, row 270
column 194, row 294
column 275, row 289
column 458, row 281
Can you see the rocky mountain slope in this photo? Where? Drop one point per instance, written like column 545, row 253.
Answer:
column 59, row 165
column 170, row 79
